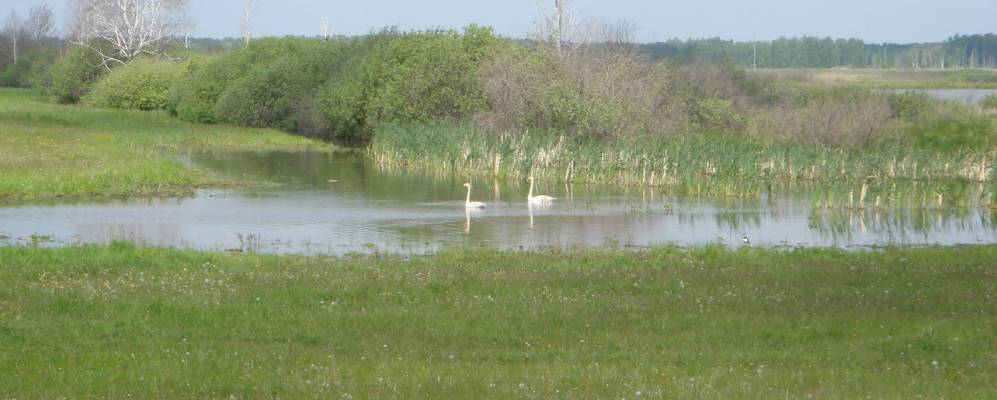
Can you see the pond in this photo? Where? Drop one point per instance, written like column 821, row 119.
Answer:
column 965, row 96
column 337, row 203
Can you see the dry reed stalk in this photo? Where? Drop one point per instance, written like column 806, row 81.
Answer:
column 865, row 186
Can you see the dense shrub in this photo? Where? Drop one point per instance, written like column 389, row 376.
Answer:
column 16, row 74
column 141, row 84
column 408, row 77
column 196, row 96
column 346, row 89
column 280, row 93
column 30, row 68
column 72, row 75
column 715, row 115
column 599, row 93
column 829, row 119
column 989, row 102
column 912, row 105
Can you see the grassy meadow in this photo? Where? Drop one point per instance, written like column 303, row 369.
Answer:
column 122, row 321
column 50, row 151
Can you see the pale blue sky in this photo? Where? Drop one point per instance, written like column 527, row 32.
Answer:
column 870, row 20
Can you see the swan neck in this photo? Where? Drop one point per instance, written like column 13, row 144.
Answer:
column 530, row 194
column 468, row 201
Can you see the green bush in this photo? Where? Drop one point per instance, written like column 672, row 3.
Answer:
column 16, row 74
column 196, row 97
column 30, row 68
column 417, row 77
column 715, row 115
column 989, row 102
column 280, row 94
column 72, row 75
column 141, row 84
column 911, row 105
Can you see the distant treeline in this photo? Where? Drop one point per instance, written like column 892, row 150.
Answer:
column 960, row 51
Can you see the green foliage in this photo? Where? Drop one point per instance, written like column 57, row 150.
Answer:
column 408, row 77
column 30, row 68
column 715, row 115
column 279, row 94
column 911, row 105
column 195, row 98
column 73, row 74
column 989, row 102
column 16, row 74
column 957, row 134
column 141, row 84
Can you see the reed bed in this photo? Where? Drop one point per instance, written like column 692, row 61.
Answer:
column 718, row 165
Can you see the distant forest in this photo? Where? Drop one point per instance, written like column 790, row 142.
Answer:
column 960, row 51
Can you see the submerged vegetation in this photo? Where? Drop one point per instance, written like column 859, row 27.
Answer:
column 49, row 151
column 122, row 321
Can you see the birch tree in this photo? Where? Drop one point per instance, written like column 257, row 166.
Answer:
column 247, row 22
column 324, row 30
column 120, row 30
column 13, row 32
column 557, row 20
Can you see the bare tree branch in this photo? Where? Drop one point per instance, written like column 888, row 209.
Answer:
column 129, row 27
column 40, row 23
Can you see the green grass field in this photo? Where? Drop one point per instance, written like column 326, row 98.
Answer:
column 48, row 151
column 120, row 321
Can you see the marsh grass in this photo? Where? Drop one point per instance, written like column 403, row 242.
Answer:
column 121, row 321
column 51, row 151
column 719, row 165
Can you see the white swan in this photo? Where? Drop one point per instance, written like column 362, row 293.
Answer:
column 541, row 199
column 468, row 204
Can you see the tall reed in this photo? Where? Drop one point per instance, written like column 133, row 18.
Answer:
column 723, row 165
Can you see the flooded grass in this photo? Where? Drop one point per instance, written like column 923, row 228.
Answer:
column 50, row 151
column 121, row 321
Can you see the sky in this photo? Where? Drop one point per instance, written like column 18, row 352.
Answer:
column 875, row 21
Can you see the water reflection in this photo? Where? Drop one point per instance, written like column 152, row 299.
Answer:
column 340, row 203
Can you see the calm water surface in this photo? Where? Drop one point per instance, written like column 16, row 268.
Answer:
column 965, row 96
column 342, row 203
